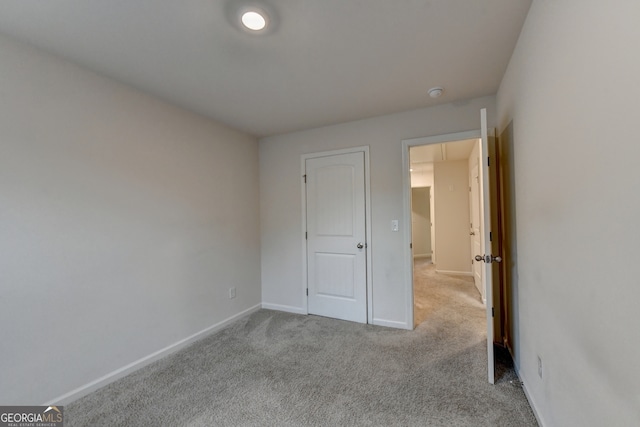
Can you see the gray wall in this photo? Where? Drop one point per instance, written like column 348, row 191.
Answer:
column 571, row 94
column 281, row 201
column 451, row 202
column 123, row 223
column 421, row 221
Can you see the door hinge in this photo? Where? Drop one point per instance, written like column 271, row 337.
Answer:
column 490, row 236
column 410, row 245
column 493, row 312
column 306, row 235
column 489, row 161
column 305, row 178
column 307, row 291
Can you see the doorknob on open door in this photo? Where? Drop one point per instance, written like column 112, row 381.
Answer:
column 488, row 258
column 360, row 246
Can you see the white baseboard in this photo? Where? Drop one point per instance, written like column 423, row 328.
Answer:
column 298, row 310
column 422, row 256
column 285, row 308
column 140, row 363
column 457, row 273
column 532, row 404
column 391, row 324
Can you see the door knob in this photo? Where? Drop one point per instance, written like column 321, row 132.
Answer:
column 488, row 258
column 472, row 234
column 360, row 246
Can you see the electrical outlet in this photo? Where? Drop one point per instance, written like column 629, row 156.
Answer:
column 232, row 293
column 539, row 367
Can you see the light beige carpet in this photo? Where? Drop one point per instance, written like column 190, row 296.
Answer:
column 435, row 291
column 282, row 369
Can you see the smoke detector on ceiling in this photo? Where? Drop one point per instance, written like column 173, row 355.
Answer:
column 435, row 92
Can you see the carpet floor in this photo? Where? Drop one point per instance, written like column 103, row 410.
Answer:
column 435, row 291
column 281, row 369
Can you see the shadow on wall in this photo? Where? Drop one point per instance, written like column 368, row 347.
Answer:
column 509, row 244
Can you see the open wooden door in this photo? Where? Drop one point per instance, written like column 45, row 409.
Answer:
column 488, row 258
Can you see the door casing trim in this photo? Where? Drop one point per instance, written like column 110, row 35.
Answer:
column 406, row 203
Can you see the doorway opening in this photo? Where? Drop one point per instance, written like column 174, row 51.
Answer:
column 490, row 228
column 445, row 226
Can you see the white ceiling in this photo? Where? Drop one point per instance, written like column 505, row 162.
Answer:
column 455, row 150
column 323, row 61
column 422, row 157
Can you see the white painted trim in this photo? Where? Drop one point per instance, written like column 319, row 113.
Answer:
column 368, row 225
column 439, row 139
column 367, row 194
column 533, row 407
column 415, row 256
column 140, row 363
column 532, row 404
column 456, row 273
column 392, row 324
column 285, row 308
column 303, row 234
column 406, row 198
column 408, row 258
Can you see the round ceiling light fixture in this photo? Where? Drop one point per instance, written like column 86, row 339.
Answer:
column 435, row 92
column 254, row 19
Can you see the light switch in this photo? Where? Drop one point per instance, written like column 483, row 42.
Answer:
column 394, row 225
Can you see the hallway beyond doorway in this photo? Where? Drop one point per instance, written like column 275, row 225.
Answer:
column 436, row 294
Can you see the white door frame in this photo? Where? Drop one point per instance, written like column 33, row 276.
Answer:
column 406, row 197
column 367, row 195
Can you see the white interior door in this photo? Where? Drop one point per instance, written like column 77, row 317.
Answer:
column 486, row 256
column 336, row 237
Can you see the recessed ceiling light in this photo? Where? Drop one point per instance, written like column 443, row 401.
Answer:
column 254, row 20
